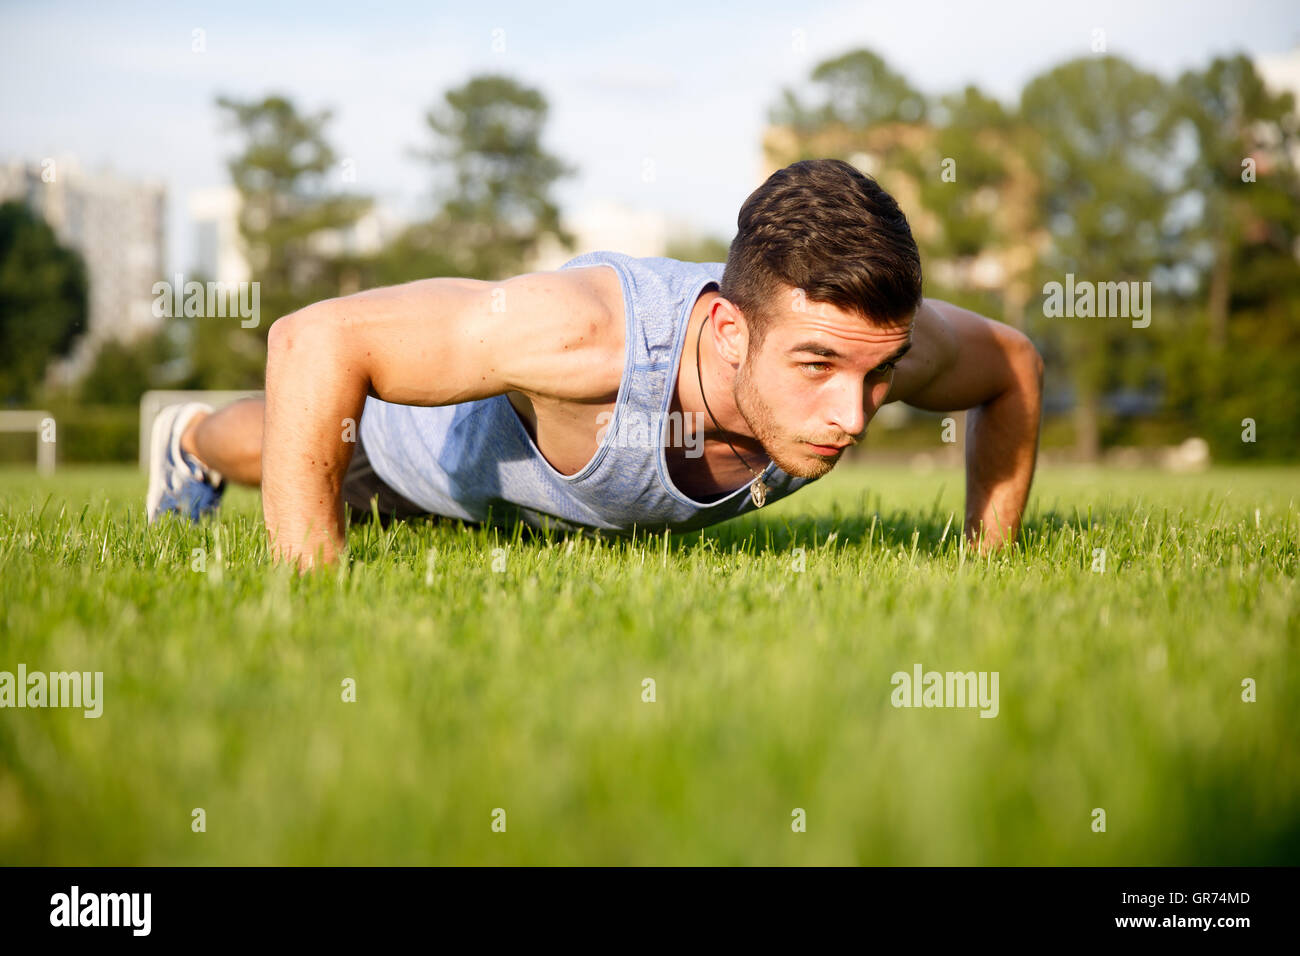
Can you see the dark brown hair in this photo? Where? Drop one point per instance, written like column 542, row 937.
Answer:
column 823, row 226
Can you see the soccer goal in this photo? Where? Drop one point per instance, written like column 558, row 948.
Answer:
column 41, row 422
column 152, row 402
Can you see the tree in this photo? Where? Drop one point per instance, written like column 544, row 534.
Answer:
column 495, row 176
column 288, row 207
column 975, row 179
column 1244, row 177
column 43, row 301
column 123, row 371
column 1244, row 243
column 1105, row 153
column 858, row 90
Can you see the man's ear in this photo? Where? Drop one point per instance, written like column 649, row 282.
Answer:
column 732, row 332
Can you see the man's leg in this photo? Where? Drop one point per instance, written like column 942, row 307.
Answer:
column 229, row 440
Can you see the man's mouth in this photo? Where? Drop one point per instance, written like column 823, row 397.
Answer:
column 826, row 450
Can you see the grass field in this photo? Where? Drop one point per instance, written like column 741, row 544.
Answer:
column 521, row 688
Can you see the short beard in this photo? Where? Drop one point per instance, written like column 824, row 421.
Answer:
column 758, row 416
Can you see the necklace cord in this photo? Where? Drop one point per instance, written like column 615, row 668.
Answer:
column 700, row 377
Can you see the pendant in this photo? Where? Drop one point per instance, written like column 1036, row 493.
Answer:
column 758, row 493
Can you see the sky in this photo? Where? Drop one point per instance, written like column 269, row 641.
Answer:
column 681, row 88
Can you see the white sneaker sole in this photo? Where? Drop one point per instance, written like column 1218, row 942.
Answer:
column 159, row 442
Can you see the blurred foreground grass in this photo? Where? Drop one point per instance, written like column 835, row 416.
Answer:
column 522, row 689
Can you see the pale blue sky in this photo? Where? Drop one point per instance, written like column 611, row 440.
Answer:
column 686, row 84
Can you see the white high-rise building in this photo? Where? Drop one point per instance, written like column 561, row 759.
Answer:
column 218, row 249
column 117, row 224
column 220, row 254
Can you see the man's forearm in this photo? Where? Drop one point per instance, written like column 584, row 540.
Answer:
column 311, row 390
column 1001, row 451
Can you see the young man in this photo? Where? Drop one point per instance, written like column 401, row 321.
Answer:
column 618, row 393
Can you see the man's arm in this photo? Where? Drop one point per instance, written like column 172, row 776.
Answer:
column 961, row 360
column 432, row 342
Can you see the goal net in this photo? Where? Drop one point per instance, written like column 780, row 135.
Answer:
column 40, row 422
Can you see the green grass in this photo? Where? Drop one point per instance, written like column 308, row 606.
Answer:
column 522, row 689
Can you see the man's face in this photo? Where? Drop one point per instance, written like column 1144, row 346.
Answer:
column 816, row 380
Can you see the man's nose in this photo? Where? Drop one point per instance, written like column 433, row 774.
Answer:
column 848, row 414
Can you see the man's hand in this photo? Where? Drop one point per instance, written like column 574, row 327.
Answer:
column 961, row 360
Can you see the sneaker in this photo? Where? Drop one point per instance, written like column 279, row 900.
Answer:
column 179, row 482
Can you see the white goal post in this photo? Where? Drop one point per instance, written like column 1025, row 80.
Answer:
column 40, row 422
column 152, row 402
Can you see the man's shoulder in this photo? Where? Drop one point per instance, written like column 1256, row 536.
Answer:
column 595, row 294
column 570, row 335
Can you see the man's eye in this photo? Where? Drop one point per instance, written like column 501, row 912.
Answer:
column 815, row 367
column 885, row 367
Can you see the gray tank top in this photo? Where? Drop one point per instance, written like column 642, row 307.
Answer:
column 476, row 460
